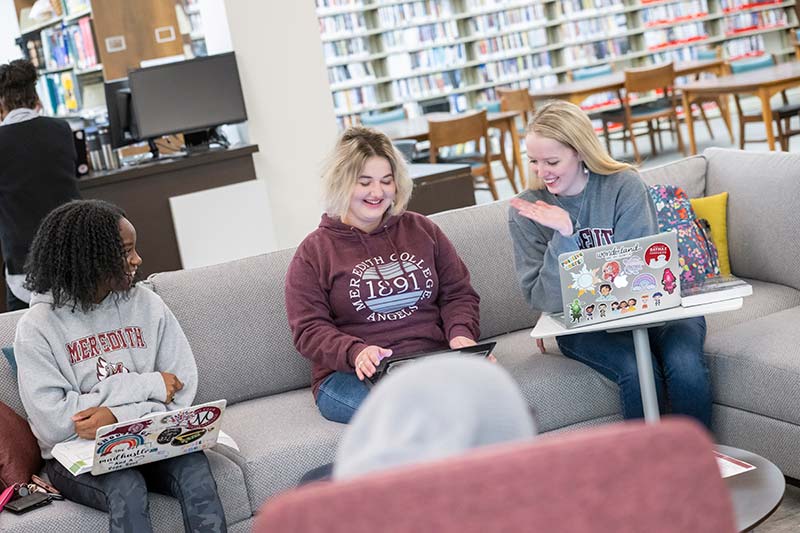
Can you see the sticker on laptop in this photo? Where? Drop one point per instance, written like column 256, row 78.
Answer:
column 657, row 255
column 572, row 261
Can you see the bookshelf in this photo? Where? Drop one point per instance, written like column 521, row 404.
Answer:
column 385, row 54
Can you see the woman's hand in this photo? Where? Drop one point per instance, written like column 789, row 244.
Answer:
column 173, row 385
column 548, row 215
column 88, row 420
column 367, row 360
column 461, row 342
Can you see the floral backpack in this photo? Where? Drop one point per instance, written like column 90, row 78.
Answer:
column 697, row 254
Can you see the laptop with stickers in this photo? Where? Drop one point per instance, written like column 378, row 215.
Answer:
column 151, row 438
column 620, row 280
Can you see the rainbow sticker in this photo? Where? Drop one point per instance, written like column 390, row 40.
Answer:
column 129, row 441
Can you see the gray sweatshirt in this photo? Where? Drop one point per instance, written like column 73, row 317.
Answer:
column 610, row 209
column 111, row 356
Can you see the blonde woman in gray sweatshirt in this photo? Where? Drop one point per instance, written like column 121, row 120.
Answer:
column 95, row 349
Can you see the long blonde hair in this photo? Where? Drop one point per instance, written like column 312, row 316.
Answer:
column 568, row 124
column 345, row 164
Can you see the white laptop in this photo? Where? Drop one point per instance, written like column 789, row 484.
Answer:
column 151, row 438
column 620, row 280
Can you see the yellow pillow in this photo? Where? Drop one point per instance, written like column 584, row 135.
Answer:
column 715, row 210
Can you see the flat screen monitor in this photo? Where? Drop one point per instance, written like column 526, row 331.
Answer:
column 118, row 102
column 187, row 96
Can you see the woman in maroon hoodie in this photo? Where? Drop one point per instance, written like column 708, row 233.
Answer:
column 373, row 279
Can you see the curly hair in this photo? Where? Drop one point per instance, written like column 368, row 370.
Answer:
column 18, row 85
column 76, row 249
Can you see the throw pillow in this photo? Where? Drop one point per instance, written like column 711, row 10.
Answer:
column 8, row 351
column 696, row 250
column 20, row 456
column 715, row 210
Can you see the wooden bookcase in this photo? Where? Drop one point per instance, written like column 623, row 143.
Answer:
column 384, row 54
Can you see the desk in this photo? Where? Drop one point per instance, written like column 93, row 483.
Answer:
column 440, row 188
column 764, row 83
column 577, row 91
column 417, row 129
column 757, row 493
column 552, row 325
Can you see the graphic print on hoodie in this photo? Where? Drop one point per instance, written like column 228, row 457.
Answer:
column 401, row 287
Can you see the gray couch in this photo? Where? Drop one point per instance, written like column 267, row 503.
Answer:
column 233, row 315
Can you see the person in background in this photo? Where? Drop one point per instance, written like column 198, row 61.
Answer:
column 95, row 349
column 431, row 410
column 579, row 198
column 37, row 171
column 373, row 279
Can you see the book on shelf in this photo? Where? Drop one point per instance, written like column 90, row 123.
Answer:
column 714, row 289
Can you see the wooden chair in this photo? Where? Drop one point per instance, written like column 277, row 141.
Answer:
column 518, row 100
column 643, row 81
column 781, row 115
column 593, row 72
column 795, row 38
column 469, row 127
column 494, row 106
column 720, row 101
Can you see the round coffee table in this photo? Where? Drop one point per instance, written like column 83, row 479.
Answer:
column 757, row 493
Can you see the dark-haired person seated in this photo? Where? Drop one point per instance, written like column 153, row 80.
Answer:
column 37, row 171
column 72, row 381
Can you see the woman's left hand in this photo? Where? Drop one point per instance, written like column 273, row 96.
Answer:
column 547, row 215
column 89, row 420
column 461, row 342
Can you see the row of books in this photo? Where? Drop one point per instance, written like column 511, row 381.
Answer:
column 76, row 6
column 351, row 72
column 590, row 28
column 58, row 93
column 575, row 7
column 598, row 50
column 505, row 20
column 522, row 41
column 742, row 22
column 439, row 57
column 342, row 23
column 345, row 48
column 679, row 34
column 733, row 5
column 481, row 5
column 426, row 86
column 354, row 99
column 401, row 14
column 679, row 54
column 339, row 3
column 70, row 45
column 744, row 47
column 511, row 69
column 420, row 35
column 664, row 14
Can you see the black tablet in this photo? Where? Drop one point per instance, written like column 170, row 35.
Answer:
column 394, row 362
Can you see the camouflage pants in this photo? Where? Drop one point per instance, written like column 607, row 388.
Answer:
column 123, row 494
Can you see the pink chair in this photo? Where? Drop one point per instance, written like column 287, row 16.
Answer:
column 625, row 477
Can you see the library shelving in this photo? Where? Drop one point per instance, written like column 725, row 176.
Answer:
column 386, row 54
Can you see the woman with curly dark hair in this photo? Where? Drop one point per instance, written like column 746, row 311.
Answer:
column 37, row 171
column 95, row 349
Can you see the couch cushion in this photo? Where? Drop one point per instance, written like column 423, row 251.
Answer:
column 763, row 202
column 280, row 437
column 563, row 392
column 165, row 512
column 481, row 237
column 754, row 367
column 9, row 391
column 767, row 298
column 235, row 319
column 688, row 174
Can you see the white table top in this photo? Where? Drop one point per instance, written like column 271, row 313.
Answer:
column 552, row 325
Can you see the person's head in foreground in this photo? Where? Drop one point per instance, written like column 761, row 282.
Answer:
column 432, row 409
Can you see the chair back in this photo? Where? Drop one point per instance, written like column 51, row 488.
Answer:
column 751, row 64
column 650, row 78
column 618, row 477
column 461, row 129
column 591, row 72
column 492, row 106
column 516, row 100
column 376, row 119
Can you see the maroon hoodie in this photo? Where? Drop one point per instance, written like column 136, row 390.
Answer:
column 401, row 287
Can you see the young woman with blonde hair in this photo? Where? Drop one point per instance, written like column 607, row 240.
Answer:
column 373, row 279
column 579, row 198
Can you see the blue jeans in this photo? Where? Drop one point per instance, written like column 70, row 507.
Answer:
column 680, row 369
column 123, row 494
column 340, row 395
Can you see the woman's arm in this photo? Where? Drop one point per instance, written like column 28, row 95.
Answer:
column 175, row 356
column 634, row 213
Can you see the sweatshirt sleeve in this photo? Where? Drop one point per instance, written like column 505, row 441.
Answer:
column 315, row 335
column 50, row 400
column 458, row 302
column 634, row 214
column 536, row 261
column 175, row 356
